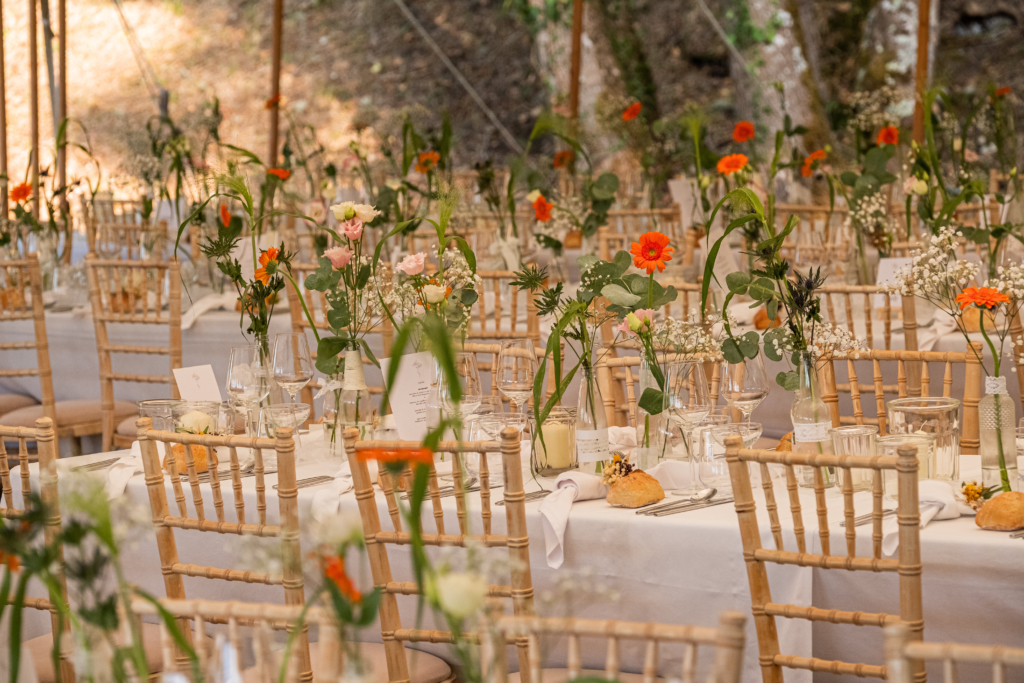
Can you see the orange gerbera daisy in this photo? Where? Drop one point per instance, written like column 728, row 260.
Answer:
column 273, row 101
column 282, row 173
column 562, row 159
column 11, row 561
column 982, row 297
column 890, row 135
column 225, row 215
column 632, row 111
column 542, row 209
column 20, row 193
column 808, row 168
column 732, row 163
column 652, row 251
column 1002, row 92
column 266, row 258
column 335, row 571
column 743, row 131
column 420, row 456
column 427, row 161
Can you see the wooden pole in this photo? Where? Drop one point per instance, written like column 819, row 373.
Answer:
column 275, row 82
column 62, row 116
column 33, row 96
column 3, row 122
column 924, row 18
column 577, row 49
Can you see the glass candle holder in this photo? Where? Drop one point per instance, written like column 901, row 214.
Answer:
column 857, row 440
column 159, row 410
column 938, row 417
column 196, row 417
column 889, row 446
column 557, row 453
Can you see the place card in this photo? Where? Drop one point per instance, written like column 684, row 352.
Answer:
column 410, row 393
column 197, row 383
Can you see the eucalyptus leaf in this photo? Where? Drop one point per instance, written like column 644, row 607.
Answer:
column 790, row 381
column 619, row 295
column 749, row 344
column 762, row 289
column 731, row 351
column 737, row 282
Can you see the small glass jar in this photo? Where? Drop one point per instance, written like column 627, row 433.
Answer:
column 557, row 453
column 196, row 417
column 935, row 416
column 888, row 446
column 159, row 410
column 859, row 440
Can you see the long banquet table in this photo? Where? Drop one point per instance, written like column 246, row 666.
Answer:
column 685, row 568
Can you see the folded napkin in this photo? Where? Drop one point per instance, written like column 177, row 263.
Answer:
column 622, row 440
column 942, row 325
column 123, row 470
column 554, row 510
column 210, row 302
column 937, row 501
column 327, row 499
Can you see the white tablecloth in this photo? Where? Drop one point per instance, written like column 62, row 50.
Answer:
column 684, row 568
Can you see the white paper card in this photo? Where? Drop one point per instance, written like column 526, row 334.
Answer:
column 887, row 268
column 410, row 393
column 197, row 383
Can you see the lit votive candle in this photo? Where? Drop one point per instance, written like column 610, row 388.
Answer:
column 557, row 446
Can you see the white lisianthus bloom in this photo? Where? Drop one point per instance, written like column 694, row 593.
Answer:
column 195, row 422
column 344, row 211
column 434, row 294
column 461, row 594
column 365, row 212
column 532, row 197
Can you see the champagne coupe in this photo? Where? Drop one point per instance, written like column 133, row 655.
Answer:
column 745, row 384
column 689, row 402
column 293, row 364
column 247, row 380
column 517, row 366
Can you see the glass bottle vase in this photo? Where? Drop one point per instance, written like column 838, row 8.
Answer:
column 652, row 436
column 811, row 422
column 997, row 419
column 347, row 403
column 591, row 422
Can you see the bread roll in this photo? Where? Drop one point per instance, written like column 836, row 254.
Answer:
column 198, row 455
column 761, row 321
column 634, row 490
column 785, row 443
column 1004, row 512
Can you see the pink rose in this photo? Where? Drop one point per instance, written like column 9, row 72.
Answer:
column 339, row 256
column 412, row 265
column 623, row 327
column 352, row 228
column 646, row 317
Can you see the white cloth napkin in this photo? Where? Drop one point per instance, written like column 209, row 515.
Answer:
column 942, row 325
column 210, row 302
column 937, row 502
column 671, row 474
column 123, row 470
column 327, row 500
column 622, row 440
column 554, row 510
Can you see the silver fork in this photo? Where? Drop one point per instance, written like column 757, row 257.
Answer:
column 696, row 506
column 100, row 465
column 310, row 481
column 861, row 520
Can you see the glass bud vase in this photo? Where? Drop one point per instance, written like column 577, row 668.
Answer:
column 997, row 420
column 591, row 422
column 354, row 405
column 811, row 422
column 651, row 429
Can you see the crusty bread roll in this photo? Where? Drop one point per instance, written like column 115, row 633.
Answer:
column 761, row 321
column 198, row 455
column 785, row 443
column 1004, row 512
column 634, row 490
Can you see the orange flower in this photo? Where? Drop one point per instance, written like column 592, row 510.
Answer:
column 282, row 173
column 21, row 192
column 1002, row 92
column 273, row 101
column 632, row 111
column 11, row 561
column 421, row 456
column 743, row 131
column 890, row 135
column 817, row 155
column 652, row 251
column 542, row 209
column 982, row 297
column 732, row 163
column 426, row 161
column 562, row 159
column 335, row 571
column 225, row 215
column 266, row 257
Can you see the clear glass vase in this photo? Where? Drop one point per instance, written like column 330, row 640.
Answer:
column 347, row 403
column 811, row 422
column 997, row 419
column 591, row 422
column 652, row 435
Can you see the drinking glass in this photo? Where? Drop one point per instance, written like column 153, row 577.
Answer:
column 750, row 432
column 469, row 382
column 517, row 366
column 745, row 384
column 283, row 415
column 937, row 416
column 247, row 381
column 486, row 428
column 713, row 470
column 293, row 364
column 689, row 402
column 855, row 440
column 888, row 446
column 159, row 410
column 108, row 241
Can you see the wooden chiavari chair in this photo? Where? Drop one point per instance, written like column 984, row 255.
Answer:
column 379, row 541
column 726, row 641
column 847, row 295
column 907, row 563
column 493, row 350
column 132, row 293
column 615, row 376
column 287, row 529
column 909, row 365
column 262, row 619
column 488, row 321
column 903, row 653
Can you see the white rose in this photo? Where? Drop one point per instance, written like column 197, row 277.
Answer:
column 195, row 422
column 365, row 212
column 434, row 294
column 344, row 211
column 461, row 594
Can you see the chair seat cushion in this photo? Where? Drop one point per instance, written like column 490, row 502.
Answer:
column 69, row 413
column 562, row 676
column 11, row 402
column 41, row 651
column 425, row 667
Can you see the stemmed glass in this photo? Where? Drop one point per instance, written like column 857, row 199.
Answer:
column 469, row 382
column 516, row 368
column 745, row 384
column 247, row 381
column 293, row 364
column 689, row 402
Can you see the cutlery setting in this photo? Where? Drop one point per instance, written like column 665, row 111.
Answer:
column 311, row 481
column 530, row 497
column 95, row 466
column 861, row 520
column 703, row 499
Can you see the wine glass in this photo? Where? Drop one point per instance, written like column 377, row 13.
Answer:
column 745, row 384
column 689, row 402
column 108, row 241
column 247, row 380
column 469, row 382
column 293, row 364
column 517, row 366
